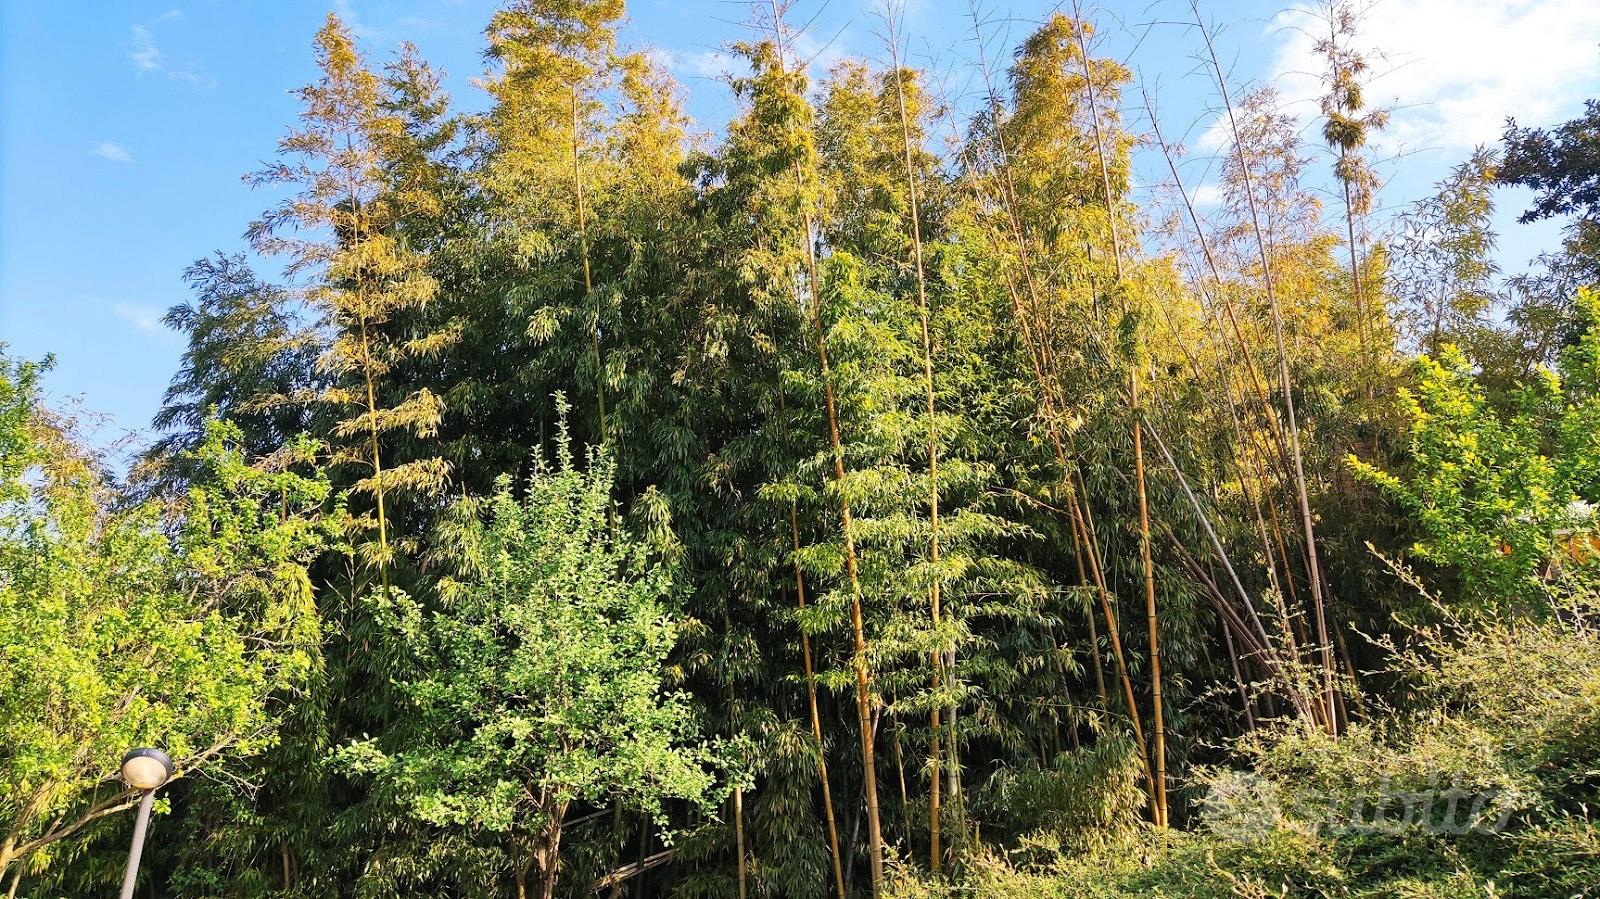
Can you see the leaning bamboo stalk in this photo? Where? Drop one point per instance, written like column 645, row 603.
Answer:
column 852, row 574
column 1159, row 750
column 1239, row 438
column 1083, row 521
column 1032, row 327
column 1314, row 574
column 1094, row 633
column 923, row 313
column 1010, row 206
column 1251, row 496
column 1238, row 677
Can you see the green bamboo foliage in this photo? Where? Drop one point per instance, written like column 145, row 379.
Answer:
column 342, row 232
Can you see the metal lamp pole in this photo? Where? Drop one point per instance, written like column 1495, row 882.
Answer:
column 147, row 770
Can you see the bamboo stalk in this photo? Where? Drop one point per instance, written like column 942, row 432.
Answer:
column 811, row 701
column 1094, row 633
column 1085, row 526
column 588, row 278
column 934, row 853
column 1314, row 574
column 1159, row 750
column 1238, row 676
column 738, row 792
column 863, row 675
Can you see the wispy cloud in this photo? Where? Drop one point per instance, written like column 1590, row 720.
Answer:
column 1453, row 70
column 820, row 53
column 145, row 54
column 352, row 20
column 1206, row 195
column 112, row 151
column 143, row 318
column 718, row 64
column 147, row 57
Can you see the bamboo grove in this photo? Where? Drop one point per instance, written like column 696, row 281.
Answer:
column 952, row 492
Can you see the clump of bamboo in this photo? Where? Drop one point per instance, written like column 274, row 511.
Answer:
column 1297, row 459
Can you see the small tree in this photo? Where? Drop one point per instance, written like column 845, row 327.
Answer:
column 1498, row 494
column 545, row 681
column 138, row 624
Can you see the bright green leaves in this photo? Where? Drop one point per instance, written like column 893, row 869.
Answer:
column 153, row 623
column 541, row 682
column 1496, row 492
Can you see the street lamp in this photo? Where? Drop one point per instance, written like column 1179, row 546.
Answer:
column 147, row 770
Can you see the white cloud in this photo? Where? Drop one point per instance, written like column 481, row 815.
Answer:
column 819, row 55
column 143, row 318
column 145, row 54
column 716, row 64
column 112, row 151
column 1206, row 195
column 1453, row 70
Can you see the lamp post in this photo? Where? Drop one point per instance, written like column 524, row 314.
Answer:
column 147, row 770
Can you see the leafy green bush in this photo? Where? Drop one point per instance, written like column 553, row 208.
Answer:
column 541, row 683
column 1497, row 491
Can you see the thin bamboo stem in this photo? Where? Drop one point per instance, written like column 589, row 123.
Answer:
column 923, row 313
column 1159, row 750
column 588, row 277
column 1314, row 574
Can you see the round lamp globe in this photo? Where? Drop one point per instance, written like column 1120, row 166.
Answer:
column 146, row 769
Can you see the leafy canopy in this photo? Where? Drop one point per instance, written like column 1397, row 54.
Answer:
column 546, row 667
column 139, row 624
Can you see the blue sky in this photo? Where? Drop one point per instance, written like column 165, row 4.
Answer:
column 125, row 127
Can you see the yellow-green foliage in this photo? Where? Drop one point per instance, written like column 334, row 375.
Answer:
column 1510, row 712
column 127, row 624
